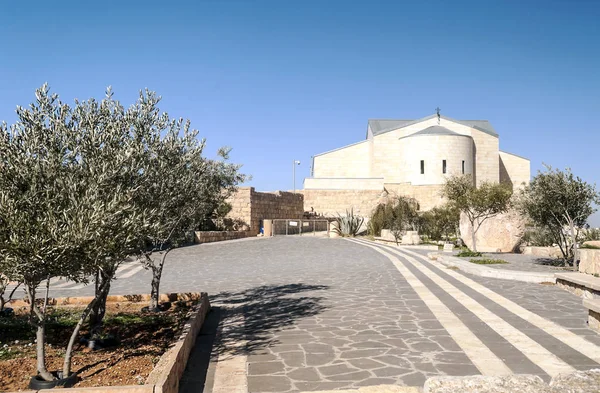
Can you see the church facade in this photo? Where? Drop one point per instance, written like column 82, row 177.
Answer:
column 414, row 158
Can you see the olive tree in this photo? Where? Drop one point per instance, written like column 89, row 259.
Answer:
column 561, row 203
column 63, row 208
column 477, row 203
column 179, row 187
column 41, row 205
column 402, row 216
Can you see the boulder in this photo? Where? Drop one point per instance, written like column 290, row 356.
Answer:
column 577, row 382
column 589, row 261
column 593, row 243
column 411, row 237
column 501, row 233
column 484, row 384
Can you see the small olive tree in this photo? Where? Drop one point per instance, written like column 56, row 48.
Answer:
column 561, row 203
column 65, row 202
column 179, row 187
column 478, row 203
column 402, row 216
column 42, row 220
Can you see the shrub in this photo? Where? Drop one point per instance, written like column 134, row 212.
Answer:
column 469, row 253
column 488, row 261
column 349, row 225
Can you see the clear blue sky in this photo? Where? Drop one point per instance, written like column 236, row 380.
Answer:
column 287, row 79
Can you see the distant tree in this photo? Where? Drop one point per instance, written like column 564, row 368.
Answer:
column 561, row 203
column 441, row 222
column 477, row 203
column 402, row 216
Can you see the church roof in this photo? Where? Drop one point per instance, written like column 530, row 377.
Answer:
column 434, row 130
column 381, row 126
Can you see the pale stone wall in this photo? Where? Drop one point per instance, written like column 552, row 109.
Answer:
column 250, row 206
column 343, row 183
column 349, row 161
column 589, row 261
column 514, row 169
column 331, row 202
column 487, row 165
column 433, row 150
column 429, row 196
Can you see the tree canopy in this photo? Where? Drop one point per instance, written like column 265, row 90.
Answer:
column 477, row 203
column 561, row 203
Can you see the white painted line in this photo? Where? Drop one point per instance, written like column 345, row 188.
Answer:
column 576, row 342
column 546, row 360
column 482, row 357
column 131, row 272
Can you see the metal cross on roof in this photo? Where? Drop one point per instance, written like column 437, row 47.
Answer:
column 437, row 110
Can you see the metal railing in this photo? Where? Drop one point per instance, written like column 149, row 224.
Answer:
column 300, row 227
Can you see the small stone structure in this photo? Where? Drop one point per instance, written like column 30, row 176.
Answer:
column 501, row 233
column 593, row 306
column 546, row 252
column 584, row 285
column 250, row 207
column 589, row 261
column 218, row 236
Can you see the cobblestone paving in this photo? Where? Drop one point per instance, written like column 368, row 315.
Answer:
column 331, row 314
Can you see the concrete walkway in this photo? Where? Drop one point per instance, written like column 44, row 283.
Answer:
column 300, row 314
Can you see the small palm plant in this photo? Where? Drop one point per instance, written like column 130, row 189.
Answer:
column 348, row 225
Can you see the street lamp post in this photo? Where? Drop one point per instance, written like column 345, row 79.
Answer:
column 296, row 162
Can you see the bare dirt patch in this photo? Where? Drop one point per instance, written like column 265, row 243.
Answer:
column 142, row 339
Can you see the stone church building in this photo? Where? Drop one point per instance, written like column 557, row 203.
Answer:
column 411, row 158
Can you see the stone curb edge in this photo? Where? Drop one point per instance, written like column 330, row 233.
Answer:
column 165, row 376
column 483, row 271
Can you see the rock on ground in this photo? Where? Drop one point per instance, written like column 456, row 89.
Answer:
column 483, row 384
column 577, row 382
column 501, row 233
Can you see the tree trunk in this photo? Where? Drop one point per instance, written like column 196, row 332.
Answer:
column 40, row 334
column 98, row 311
column 574, row 240
column 84, row 315
column 156, row 275
column 474, row 236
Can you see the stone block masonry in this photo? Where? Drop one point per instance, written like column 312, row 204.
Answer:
column 218, row 236
column 250, row 207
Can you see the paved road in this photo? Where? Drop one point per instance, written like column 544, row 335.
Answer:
column 317, row 314
column 305, row 314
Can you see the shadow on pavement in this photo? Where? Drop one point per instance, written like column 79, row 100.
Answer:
column 242, row 323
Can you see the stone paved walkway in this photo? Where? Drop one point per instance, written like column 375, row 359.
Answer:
column 335, row 314
column 300, row 314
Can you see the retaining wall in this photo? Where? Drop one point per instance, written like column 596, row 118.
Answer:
column 250, row 207
column 218, row 236
column 589, row 261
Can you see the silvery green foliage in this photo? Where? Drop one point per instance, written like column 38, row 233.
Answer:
column 349, row 225
column 560, row 203
column 179, row 187
column 67, row 185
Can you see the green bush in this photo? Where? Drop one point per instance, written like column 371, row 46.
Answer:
column 538, row 237
column 487, row 261
column 440, row 223
column 349, row 225
column 469, row 253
